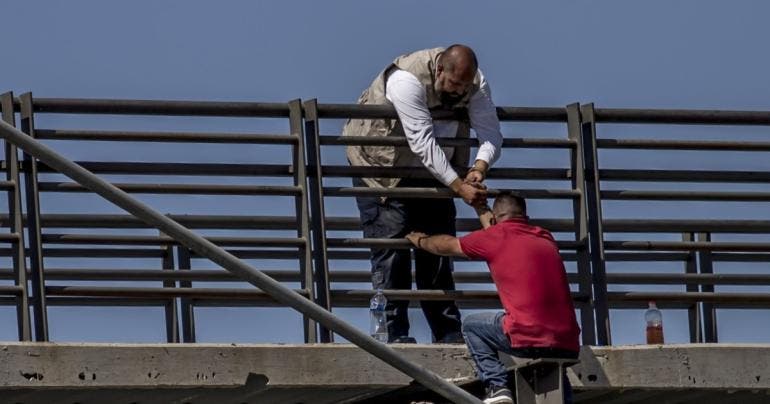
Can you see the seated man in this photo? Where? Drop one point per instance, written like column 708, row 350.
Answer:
column 524, row 261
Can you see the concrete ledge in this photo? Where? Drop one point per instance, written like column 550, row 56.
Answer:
column 716, row 366
column 339, row 373
column 212, row 365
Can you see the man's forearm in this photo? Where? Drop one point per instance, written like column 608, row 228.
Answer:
column 486, row 217
column 441, row 244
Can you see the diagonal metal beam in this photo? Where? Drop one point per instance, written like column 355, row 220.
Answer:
column 218, row 255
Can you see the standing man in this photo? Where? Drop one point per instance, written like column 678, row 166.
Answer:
column 524, row 261
column 415, row 84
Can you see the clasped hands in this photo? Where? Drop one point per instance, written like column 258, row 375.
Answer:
column 472, row 190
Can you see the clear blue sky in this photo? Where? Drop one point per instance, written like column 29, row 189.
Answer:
column 653, row 54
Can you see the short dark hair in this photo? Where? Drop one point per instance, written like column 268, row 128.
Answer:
column 513, row 202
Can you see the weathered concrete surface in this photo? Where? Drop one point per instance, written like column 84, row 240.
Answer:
column 721, row 366
column 203, row 373
column 338, row 373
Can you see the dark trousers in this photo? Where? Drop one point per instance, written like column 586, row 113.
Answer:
column 484, row 335
column 392, row 268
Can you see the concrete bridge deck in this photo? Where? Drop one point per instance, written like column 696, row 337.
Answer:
column 341, row 373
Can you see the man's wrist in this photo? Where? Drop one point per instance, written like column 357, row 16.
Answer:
column 419, row 241
column 478, row 170
column 456, row 185
column 480, row 166
column 482, row 209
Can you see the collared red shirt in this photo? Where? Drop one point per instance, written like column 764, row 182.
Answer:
column 531, row 281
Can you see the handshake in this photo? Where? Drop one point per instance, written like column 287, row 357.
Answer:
column 474, row 193
column 471, row 189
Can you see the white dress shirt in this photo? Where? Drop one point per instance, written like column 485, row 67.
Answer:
column 408, row 96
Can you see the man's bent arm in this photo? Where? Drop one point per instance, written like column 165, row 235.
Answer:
column 440, row 244
column 408, row 97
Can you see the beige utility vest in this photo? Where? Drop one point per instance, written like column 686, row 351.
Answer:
column 422, row 64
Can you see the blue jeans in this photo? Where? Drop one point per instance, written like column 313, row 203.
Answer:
column 483, row 333
column 392, row 268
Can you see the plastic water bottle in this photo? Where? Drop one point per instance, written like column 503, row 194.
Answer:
column 378, row 320
column 654, row 319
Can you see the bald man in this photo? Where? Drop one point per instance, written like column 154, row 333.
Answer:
column 416, row 84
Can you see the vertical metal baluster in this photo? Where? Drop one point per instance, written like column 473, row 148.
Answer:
column 187, row 304
column 172, row 322
column 36, row 258
column 317, row 214
column 16, row 224
column 580, row 217
column 710, row 331
column 596, row 235
column 303, row 217
column 693, row 312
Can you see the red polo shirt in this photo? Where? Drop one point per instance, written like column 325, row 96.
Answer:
column 531, row 281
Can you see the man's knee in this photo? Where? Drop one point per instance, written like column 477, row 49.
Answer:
column 472, row 322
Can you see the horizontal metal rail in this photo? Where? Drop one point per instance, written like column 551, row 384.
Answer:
column 681, row 116
column 361, row 295
column 183, row 137
column 340, row 295
column 538, row 143
column 154, row 107
column 652, row 256
column 686, row 246
column 740, row 257
column 183, row 169
column 522, row 114
column 684, row 175
column 6, row 290
column 402, row 192
column 403, row 243
column 685, row 225
column 686, row 196
column 69, row 220
column 688, row 279
column 703, row 145
column 511, row 173
column 93, row 252
column 692, row 297
column 353, row 223
column 253, row 109
column 7, row 185
column 361, row 276
column 160, row 292
column 9, row 237
column 190, row 189
column 52, row 238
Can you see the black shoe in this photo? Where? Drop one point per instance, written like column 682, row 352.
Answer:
column 498, row 395
column 403, row 340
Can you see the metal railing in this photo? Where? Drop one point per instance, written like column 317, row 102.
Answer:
column 233, row 264
column 579, row 181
